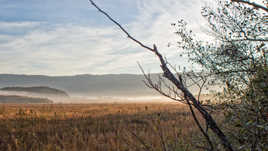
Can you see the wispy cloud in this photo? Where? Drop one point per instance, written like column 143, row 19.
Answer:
column 94, row 45
column 12, row 25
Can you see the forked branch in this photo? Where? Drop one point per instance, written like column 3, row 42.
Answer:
column 178, row 83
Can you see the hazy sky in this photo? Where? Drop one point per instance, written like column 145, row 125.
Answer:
column 67, row 37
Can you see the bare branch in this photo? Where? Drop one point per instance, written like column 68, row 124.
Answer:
column 128, row 35
column 158, row 87
column 255, row 5
column 200, row 127
column 178, row 83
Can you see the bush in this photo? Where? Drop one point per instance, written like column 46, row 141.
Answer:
column 247, row 119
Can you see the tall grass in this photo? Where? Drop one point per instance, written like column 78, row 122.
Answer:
column 96, row 127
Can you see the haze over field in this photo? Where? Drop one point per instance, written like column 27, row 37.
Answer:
column 119, row 87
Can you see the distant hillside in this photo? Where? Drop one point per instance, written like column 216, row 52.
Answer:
column 22, row 99
column 43, row 91
column 90, row 85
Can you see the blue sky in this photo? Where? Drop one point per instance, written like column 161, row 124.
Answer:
column 67, row 37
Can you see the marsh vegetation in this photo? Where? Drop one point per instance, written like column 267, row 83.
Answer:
column 96, row 127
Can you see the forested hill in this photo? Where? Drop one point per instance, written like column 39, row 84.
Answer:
column 40, row 90
column 22, row 99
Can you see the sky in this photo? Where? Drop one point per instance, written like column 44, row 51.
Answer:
column 67, row 37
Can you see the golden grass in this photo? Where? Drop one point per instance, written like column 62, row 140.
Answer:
column 96, row 127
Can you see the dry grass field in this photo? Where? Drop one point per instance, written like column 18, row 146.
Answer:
column 96, row 127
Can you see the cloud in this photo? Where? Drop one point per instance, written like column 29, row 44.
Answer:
column 68, row 49
column 153, row 25
column 12, row 25
column 61, row 48
column 17, row 28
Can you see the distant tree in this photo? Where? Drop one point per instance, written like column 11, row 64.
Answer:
column 238, row 57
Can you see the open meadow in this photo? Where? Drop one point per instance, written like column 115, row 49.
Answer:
column 96, row 127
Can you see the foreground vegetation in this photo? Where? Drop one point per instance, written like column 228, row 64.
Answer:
column 96, row 127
